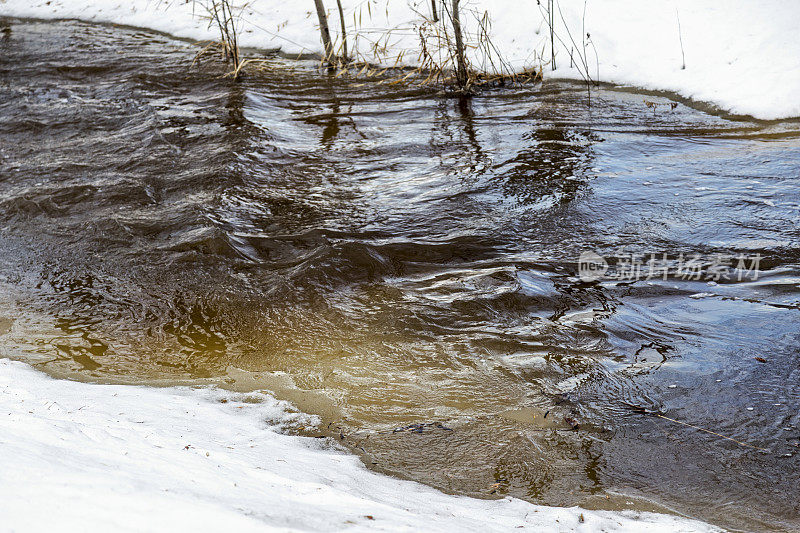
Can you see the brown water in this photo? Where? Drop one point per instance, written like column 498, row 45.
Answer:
column 404, row 263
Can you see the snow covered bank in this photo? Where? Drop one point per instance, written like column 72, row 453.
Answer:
column 115, row 458
column 739, row 55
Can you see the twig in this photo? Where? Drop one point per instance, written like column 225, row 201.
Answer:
column 643, row 410
column 740, row 443
column 680, row 37
column 552, row 35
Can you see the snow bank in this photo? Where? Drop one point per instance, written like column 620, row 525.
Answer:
column 739, row 55
column 84, row 457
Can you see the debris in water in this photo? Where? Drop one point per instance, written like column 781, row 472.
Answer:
column 497, row 485
column 644, row 410
column 420, row 428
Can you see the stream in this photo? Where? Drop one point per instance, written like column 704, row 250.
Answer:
column 405, row 264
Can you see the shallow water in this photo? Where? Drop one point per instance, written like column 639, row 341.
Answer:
column 405, row 264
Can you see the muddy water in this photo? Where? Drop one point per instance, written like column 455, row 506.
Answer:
column 404, row 263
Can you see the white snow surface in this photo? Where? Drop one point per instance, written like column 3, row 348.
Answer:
column 740, row 56
column 85, row 457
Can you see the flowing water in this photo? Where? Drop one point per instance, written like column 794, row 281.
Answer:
column 404, row 263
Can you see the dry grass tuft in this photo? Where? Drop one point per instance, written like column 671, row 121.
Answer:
column 226, row 17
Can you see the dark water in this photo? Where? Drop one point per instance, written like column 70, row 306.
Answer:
column 388, row 256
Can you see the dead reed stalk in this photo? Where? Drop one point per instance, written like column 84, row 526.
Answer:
column 461, row 60
column 343, row 57
column 325, row 32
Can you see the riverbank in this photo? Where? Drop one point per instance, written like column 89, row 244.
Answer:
column 144, row 459
column 742, row 58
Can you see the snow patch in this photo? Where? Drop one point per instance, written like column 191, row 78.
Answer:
column 78, row 457
column 739, row 55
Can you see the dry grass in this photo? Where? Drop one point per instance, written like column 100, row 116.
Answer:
column 227, row 18
column 445, row 49
column 455, row 46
